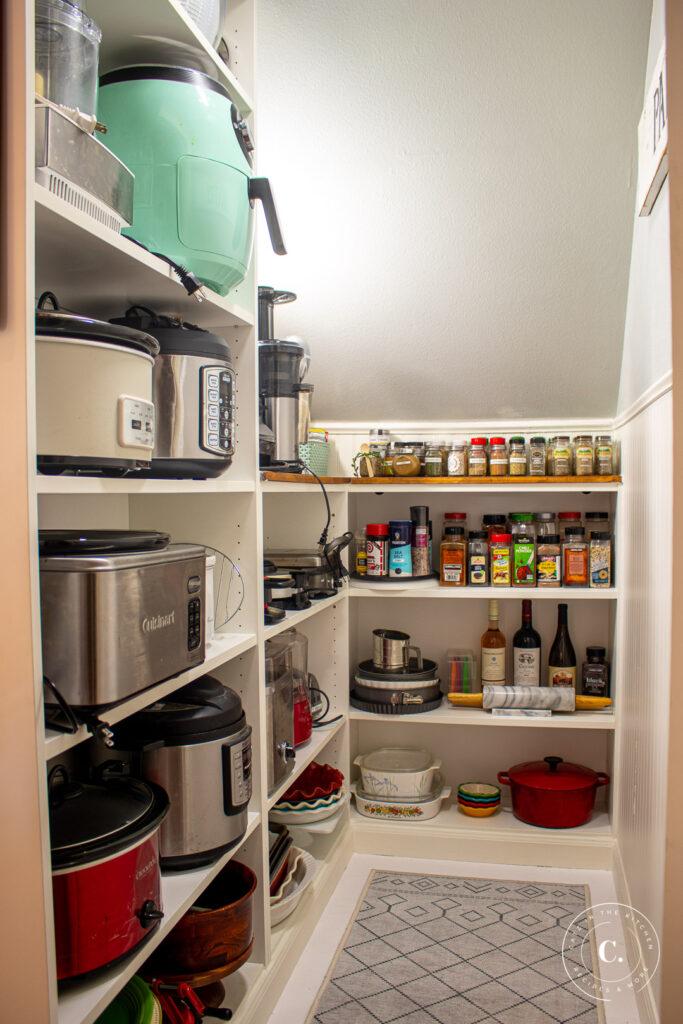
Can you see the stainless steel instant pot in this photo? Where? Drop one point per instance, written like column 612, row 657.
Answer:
column 121, row 610
column 194, row 396
column 196, row 744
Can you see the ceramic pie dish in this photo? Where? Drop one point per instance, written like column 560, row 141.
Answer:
column 316, row 781
column 308, row 815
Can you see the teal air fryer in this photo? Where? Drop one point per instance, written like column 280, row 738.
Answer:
column 179, row 133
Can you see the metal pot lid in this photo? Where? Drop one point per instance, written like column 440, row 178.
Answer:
column 93, row 820
column 552, row 773
column 60, row 324
column 100, row 542
column 175, row 337
column 198, row 712
column 367, row 670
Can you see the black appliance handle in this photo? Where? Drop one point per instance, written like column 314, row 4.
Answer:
column 48, row 297
column 149, row 914
column 259, row 188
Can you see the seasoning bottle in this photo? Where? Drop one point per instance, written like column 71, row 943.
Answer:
column 453, row 557
column 419, row 517
column 549, row 561
column 604, row 455
column 493, row 523
column 575, row 557
column 583, row 455
column 523, row 549
column 379, row 449
column 499, row 464
column 478, row 558
column 560, row 456
column 597, row 521
column 400, row 545
column 493, row 650
column 537, row 456
column 433, row 460
column 545, row 523
column 500, row 559
column 457, row 458
column 595, row 673
column 405, row 462
column 477, row 462
column 377, row 549
column 455, row 519
column 600, row 559
column 565, row 519
column 361, row 561
column 518, row 460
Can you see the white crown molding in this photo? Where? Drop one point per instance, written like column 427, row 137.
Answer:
column 652, row 394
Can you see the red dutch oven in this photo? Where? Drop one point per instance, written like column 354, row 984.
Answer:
column 106, row 882
column 553, row 793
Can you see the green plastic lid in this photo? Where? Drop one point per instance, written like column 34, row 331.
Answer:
column 521, row 517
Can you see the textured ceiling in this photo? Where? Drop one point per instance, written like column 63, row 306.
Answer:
column 455, row 182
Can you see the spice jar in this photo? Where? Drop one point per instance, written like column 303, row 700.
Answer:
column 560, row 456
column 379, row 449
column 433, row 460
column 604, row 455
column 405, row 462
column 549, row 561
column 400, row 547
column 457, row 458
column 478, row 558
column 600, row 559
column 493, row 523
column 545, row 524
column 455, row 519
column 595, row 673
column 499, row 464
column 523, row 549
column 377, row 549
column 566, row 519
column 453, row 557
column 361, row 553
column 575, row 557
column 419, row 517
column 500, row 559
column 518, row 464
column 537, row 456
column 583, row 455
column 477, row 462
column 597, row 521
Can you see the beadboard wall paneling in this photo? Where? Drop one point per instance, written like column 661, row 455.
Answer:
column 644, row 525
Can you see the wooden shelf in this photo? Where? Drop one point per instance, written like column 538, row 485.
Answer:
column 433, row 590
column 477, row 717
column 301, row 478
column 83, row 1002
column 292, row 619
column 134, row 486
column 220, row 650
column 556, row 482
column 93, row 269
column 144, row 33
column 306, row 754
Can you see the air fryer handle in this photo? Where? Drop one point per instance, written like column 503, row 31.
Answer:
column 259, row 188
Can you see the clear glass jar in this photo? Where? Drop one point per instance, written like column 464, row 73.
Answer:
column 518, row 456
column 560, row 456
column 583, row 455
column 457, row 458
column 405, row 461
column 478, row 558
column 499, row 464
column 597, row 521
column 433, row 460
column 379, row 442
column 575, row 557
column 537, row 456
column 546, row 524
column 604, row 455
column 477, row 462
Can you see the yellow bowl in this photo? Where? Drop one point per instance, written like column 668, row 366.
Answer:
column 479, row 812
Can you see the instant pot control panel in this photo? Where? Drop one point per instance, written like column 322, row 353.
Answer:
column 217, row 410
column 194, row 614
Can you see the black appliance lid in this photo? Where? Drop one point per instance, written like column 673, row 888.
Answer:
column 100, row 542
column 268, row 349
column 202, row 710
column 175, row 337
column 58, row 323
column 89, row 821
column 164, row 72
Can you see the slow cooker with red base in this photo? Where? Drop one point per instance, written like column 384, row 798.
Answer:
column 106, row 881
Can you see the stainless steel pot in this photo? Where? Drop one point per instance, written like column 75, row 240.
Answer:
column 391, row 650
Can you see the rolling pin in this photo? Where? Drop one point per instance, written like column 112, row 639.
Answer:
column 553, row 698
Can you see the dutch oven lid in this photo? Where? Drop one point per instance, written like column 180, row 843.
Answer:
column 57, row 323
column 93, row 820
column 553, row 773
column 175, row 337
column 100, row 542
column 197, row 712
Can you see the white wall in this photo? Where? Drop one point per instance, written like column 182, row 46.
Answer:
column 456, row 183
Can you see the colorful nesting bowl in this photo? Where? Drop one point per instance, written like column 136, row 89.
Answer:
column 478, row 799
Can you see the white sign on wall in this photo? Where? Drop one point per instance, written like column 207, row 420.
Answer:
column 653, row 138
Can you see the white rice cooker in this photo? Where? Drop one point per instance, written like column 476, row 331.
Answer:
column 94, row 395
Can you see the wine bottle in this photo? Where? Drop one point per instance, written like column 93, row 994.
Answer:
column 526, row 651
column 493, row 650
column 562, row 660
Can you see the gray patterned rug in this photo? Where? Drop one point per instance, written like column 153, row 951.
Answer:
column 431, row 949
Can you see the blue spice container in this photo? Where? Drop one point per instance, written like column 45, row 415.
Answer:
column 400, row 539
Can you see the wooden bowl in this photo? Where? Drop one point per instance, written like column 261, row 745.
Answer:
column 215, row 935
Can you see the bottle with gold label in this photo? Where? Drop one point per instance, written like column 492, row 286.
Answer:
column 493, row 650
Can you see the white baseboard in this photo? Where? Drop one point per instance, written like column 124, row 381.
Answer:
column 647, row 1008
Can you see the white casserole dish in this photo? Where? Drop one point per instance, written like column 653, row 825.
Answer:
column 402, row 810
column 397, row 772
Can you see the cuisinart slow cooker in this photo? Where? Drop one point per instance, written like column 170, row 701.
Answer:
column 196, row 744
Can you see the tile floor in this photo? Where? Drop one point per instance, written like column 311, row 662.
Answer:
column 309, row 974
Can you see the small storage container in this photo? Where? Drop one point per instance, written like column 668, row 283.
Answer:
column 462, row 671
column 397, row 771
